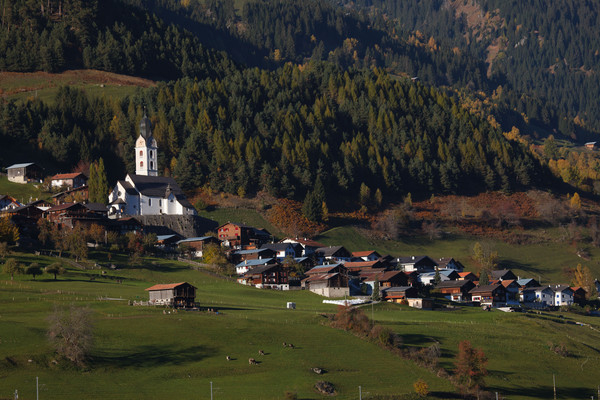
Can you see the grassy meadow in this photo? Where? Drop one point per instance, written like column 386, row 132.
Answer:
column 21, row 192
column 142, row 353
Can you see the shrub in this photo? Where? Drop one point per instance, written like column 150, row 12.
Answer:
column 421, row 388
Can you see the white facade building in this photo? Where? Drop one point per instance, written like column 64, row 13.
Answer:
column 146, row 193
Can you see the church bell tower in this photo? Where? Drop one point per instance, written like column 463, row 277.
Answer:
column 146, row 150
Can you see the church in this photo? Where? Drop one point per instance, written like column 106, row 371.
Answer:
column 146, row 193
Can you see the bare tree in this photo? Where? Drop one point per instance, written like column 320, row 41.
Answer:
column 71, row 333
column 432, row 229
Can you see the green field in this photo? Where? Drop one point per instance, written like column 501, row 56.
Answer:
column 142, row 353
column 22, row 192
column 546, row 261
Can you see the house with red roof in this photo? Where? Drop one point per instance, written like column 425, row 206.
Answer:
column 180, row 295
column 71, row 181
column 369, row 255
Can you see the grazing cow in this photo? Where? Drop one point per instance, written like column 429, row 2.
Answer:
column 252, row 361
column 261, row 352
column 291, row 346
column 284, row 344
column 228, row 358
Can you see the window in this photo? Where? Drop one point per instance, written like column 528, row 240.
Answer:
column 151, row 165
column 141, row 153
column 149, row 202
column 141, row 163
column 159, row 202
column 151, row 154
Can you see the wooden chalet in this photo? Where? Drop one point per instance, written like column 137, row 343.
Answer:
column 357, row 266
column 24, row 172
column 397, row 294
column 328, row 284
column 197, row 244
column 417, row 263
column 467, row 276
column 456, row 290
column 271, row 276
column 502, row 275
column 527, row 283
column 489, row 294
column 79, row 194
column 579, row 295
column 240, row 235
column 333, row 253
column 179, row 295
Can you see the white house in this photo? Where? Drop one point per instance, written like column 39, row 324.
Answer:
column 544, row 295
column 283, row 250
column 563, row 295
column 146, row 193
column 247, row 265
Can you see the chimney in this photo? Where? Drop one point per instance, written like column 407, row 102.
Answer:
column 413, row 257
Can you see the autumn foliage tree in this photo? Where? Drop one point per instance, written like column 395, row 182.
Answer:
column 471, row 367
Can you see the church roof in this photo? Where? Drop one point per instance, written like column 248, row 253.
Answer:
column 145, row 127
column 157, row 186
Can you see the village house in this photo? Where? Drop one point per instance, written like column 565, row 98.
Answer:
column 491, row 295
column 396, row 294
column 241, row 236
column 419, row 264
column 196, row 245
column 68, row 181
column 284, row 250
column 167, row 242
column 527, row 283
column 563, row 295
column 579, row 295
column 23, row 173
column 247, row 265
column 308, row 246
column 79, row 194
column 357, row 266
column 238, row 256
column 369, row 255
column 467, row 276
column 445, row 275
column 327, row 280
column 502, row 274
column 8, row 203
column 333, row 253
column 456, row 290
column 544, row 295
column 180, row 295
column 450, row 263
column 271, row 276
column 590, row 145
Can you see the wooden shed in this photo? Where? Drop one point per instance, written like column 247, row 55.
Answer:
column 180, row 295
column 22, row 173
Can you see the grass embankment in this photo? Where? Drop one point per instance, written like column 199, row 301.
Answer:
column 547, row 260
column 44, row 86
column 22, row 192
column 142, row 353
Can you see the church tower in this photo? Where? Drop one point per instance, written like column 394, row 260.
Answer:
column 146, row 157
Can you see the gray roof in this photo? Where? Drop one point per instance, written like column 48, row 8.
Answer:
column 129, row 189
column 254, row 263
column 260, row 269
column 452, row 284
column 398, row 289
column 278, row 246
column 22, row 165
column 157, row 186
column 195, row 239
column 145, row 127
column 415, row 259
column 251, row 251
column 97, row 207
column 329, row 251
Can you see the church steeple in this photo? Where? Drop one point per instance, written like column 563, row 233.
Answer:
column 146, row 150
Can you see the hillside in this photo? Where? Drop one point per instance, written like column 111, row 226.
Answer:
column 141, row 352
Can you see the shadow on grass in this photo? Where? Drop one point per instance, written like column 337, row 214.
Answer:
column 151, row 356
column 544, row 392
column 419, row 340
column 507, row 263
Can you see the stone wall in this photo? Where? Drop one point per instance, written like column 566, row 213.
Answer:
column 185, row 225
